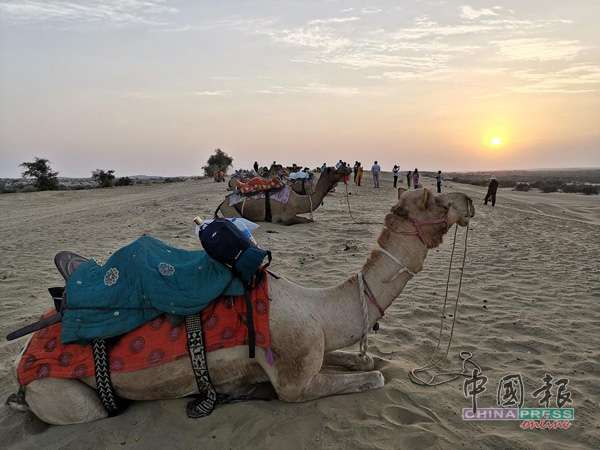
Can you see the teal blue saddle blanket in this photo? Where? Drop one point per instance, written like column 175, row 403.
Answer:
column 138, row 283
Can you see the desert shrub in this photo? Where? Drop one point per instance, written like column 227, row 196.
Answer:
column 589, row 189
column 104, row 178
column 571, row 188
column 124, row 181
column 522, row 186
column 174, row 179
column 7, row 189
column 550, row 187
column 39, row 169
column 27, row 189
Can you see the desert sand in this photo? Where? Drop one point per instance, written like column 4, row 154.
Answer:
column 529, row 306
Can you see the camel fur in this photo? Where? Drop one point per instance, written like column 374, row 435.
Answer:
column 308, row 327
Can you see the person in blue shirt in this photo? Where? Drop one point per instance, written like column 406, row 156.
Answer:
column 376, row 169
column 439, row 181
column 395, row 171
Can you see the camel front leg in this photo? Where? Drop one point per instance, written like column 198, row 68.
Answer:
column 327, row 384
column 296, row 220
column 348, row 360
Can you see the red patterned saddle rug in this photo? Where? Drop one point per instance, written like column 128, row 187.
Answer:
column 258, row 184
column 152, row 344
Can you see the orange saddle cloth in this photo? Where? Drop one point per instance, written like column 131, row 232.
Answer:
column 258, row 184
column 154, row 343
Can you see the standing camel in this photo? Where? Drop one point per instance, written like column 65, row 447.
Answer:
column 308, row 326
column 285, row 213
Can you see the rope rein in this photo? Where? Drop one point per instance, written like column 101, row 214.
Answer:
column 350, row 212
column 466, row 357
column 364, row 341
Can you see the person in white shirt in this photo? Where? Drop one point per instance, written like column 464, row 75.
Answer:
column 376, row 169
column 339, row 164
column 395, row 171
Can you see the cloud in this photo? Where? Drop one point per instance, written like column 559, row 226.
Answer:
column 313, row 37
column 333, row 20
column 316, row 89
column 117, row 13
column 470, row 13
column 574, row 79
column 213, row 93
column 537, row 49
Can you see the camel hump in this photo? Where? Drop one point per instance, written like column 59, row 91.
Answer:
column 68, row 262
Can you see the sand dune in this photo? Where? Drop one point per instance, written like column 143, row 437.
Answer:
column 529, row 305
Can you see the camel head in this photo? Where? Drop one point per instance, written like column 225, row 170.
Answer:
column 431, row 215
column 233, row 182
column 329, row 178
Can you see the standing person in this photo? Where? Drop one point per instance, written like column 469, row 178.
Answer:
column 359, row 174
column 408, row 178
column 346, row 171
column 491, row 193
column 439, row 181
column 395, row 171
column 323, row 167
column 256, row 166
column 416, row 178
column 355, row 170
column 375, row 169
column 338, row 164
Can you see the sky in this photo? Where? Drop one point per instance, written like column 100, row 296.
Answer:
column 153, row 87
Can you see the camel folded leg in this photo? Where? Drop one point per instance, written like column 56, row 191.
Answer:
column 62, row 401
column 228, row 211
column 327, row 384
column 296, row 220
column 348, row 360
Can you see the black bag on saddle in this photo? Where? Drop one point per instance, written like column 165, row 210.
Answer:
column 227, row 244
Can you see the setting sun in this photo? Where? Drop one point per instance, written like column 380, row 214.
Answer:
column 496, row 141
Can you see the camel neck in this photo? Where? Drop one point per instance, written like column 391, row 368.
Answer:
column 343, row 319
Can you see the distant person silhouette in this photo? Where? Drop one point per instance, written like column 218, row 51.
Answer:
column 439, row 181
column 491, row 192
column 416, row 178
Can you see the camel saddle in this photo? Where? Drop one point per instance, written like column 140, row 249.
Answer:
column 258, row 184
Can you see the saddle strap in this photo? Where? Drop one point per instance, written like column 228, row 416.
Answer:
column 205, row 403
column 106, row 392
column 268, row 215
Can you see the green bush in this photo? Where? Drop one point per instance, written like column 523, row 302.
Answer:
column 522, row 187
column 124, row 181
column 105, row 179
column 590, row 189
column 39, row 169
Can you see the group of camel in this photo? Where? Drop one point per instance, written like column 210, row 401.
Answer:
column 308, row 326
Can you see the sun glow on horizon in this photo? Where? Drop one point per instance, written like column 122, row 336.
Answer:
column 495, row 137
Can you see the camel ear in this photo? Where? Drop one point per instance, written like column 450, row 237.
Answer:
column 401, row 191
column 427, row 196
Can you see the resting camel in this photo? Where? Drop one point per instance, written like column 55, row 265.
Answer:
column 308, row 326
column 287, row 214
